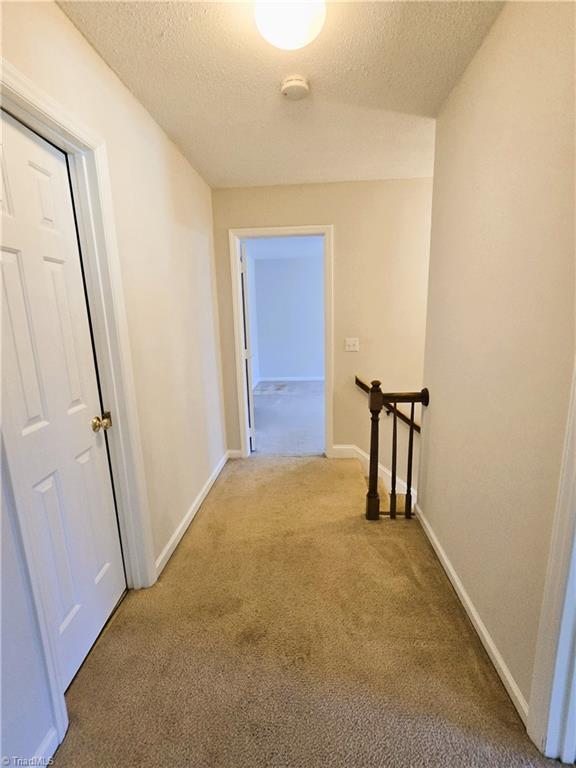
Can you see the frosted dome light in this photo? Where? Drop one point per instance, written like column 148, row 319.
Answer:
column 290, row 25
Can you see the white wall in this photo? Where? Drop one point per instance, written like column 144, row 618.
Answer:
column 28, row 724
column 500, row 333
column 381, row 246
column 163, row 216
column 288, row 306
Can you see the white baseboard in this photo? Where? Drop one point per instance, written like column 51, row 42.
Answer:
column 290, row 378
column 354, row 452
column 189, row 516
column 45, row 751
column 501, row 667
column 234, row 453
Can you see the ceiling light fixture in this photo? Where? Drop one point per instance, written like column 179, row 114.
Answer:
column 290, row 25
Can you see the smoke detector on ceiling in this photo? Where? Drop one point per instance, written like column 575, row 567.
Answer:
column 295, row 87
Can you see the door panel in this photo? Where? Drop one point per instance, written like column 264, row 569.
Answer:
column 59, row 296
column 32, row 400
column 58, row 466
column 50, row 514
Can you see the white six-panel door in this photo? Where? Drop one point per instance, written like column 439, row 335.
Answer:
column 57, row 466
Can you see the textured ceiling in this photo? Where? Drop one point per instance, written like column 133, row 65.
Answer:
column 378, row 72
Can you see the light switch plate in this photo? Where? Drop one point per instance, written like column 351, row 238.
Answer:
column 352, row 345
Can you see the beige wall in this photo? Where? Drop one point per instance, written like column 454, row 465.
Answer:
column 500, row 326
column 381, row 245
column 163, row 217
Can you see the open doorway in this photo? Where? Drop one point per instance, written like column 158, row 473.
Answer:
column 282, row 303
column 285, row 306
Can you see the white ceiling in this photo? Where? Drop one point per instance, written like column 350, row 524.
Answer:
column 379, row 72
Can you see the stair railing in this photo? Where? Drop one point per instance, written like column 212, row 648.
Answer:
column 389, row 401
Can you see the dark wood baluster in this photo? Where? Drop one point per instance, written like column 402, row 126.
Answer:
column 408, row 506
column 394, row 452
column 373, row 497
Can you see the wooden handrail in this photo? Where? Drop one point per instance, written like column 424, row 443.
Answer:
column 389, row 405
column 388, row 401
column 362, row 385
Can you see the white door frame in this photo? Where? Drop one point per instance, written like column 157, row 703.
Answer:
column 249, row 356
column 235, row 236
column 89, row 173
column 553, row 695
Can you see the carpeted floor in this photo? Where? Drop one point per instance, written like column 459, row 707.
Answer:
column 287, row 632
column 289, row 418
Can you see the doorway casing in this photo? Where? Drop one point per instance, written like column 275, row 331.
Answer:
column 235, row 240
column 88, row 168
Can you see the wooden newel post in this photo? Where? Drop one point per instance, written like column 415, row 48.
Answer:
column 372, row 497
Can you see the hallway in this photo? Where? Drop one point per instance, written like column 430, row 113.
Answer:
column 288, row 631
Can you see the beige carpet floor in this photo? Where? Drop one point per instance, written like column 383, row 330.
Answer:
column 287, row 632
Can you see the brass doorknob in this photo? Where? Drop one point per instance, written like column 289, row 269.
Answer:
column 104, row 423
